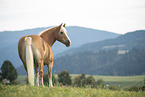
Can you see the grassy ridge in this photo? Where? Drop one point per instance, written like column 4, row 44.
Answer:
column 33, row 91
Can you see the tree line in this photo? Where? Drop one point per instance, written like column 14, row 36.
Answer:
column 65, row 79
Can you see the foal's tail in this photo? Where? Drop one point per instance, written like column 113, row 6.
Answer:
column 29, row 60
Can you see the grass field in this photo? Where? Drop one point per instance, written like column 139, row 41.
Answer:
column 23, row 90
column 33, row 91
column 122, row 81
column 117, row 81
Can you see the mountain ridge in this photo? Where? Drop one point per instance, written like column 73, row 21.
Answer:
column 107, row 61
column 9, row 41
column 119, row 42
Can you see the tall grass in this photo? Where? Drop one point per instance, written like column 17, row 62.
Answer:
column 33, row 91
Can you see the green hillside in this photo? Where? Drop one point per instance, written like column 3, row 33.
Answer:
column 65, row 91
column 103, row 63
column 29, row 91
column 124, row 55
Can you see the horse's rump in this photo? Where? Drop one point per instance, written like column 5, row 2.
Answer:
column 37, row 48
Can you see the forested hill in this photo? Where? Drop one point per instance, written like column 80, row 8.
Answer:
column 124, row 55
column 103, row 63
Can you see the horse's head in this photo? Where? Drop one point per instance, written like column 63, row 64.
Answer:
column 62, row 35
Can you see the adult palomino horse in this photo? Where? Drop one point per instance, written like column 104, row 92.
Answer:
column 35, row 51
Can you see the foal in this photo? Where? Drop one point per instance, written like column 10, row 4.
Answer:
column 35, row 51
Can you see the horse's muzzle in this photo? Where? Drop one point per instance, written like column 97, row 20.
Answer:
column 67, row 43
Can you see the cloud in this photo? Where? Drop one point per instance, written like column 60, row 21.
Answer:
column 112, row 15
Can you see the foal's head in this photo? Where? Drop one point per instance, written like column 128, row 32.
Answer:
column 62, row 35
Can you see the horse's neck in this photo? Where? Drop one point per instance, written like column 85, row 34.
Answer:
column 49, row 36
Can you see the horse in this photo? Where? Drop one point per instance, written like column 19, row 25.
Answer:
column 35, row 51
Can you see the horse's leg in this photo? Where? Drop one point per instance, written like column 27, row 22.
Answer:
column 41, row 72
column 50, row 73
column 37, row 74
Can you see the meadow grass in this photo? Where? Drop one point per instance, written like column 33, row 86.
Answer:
column 34, row 91
column 117, row 81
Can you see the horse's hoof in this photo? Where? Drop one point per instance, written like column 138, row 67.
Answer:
column 50, row 85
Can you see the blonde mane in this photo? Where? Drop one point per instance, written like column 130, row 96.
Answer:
column 47, row 30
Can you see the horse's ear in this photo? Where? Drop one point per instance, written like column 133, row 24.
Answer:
column 64, row 25
column 60, row 26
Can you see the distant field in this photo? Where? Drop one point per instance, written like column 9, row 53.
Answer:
column 22, row 79
column 24, row 90
column 122, row 81
column 118, row 81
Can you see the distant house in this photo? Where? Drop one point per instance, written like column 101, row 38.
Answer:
column 6, row 81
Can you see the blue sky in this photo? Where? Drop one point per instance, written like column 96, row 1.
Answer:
column 119, row 16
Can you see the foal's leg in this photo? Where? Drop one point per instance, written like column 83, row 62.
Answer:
column 50, row 73
column 37, row 74
column 41, row 72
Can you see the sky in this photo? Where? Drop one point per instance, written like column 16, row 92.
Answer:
column 118, row 16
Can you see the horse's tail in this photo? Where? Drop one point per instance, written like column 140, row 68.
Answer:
column 29, row 60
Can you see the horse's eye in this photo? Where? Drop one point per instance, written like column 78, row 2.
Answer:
column 61, row 32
